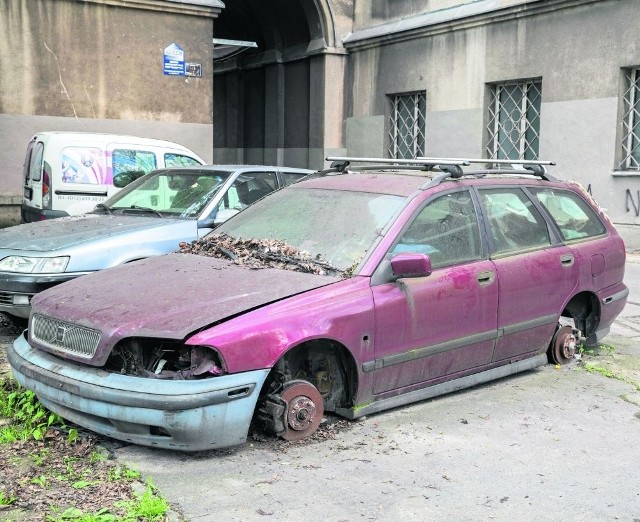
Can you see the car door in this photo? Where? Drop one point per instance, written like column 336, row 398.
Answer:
column 536, row 273
column 429, row 328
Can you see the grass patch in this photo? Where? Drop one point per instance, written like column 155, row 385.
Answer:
column 146, row 506
column 29, row 418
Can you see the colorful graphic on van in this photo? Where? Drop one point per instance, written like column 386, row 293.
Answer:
column 85, row 165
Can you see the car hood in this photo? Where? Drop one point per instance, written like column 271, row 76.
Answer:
column 167, row 297
column 55, row 234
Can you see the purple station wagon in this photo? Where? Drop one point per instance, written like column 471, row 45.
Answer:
column 355, row 291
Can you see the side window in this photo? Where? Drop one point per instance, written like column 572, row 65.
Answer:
column 291, row 177
column 84, row 165
column 247, row 189
column 178, row 160
column 136, row 162
column 574, row 217
column 446, row 229
column 35, row 163
column 514, row 222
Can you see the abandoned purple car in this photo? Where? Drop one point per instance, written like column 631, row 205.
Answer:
column 352, row 292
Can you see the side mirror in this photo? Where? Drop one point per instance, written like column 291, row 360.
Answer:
column 410, row 265
column 223, row 215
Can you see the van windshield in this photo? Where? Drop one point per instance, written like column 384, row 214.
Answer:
column 171, row 193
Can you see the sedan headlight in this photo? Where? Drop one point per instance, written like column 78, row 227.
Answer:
column 34, row 265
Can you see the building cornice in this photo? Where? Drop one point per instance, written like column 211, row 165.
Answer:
column 465, row 16
column 202, row 8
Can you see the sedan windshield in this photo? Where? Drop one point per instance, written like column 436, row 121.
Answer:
column 175, row 193
column 335, row 226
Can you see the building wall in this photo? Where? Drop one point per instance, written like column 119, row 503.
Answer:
column 97, row 66
column 578, row 49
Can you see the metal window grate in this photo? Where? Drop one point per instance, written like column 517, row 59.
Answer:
column 68, row 337
column 514, row 120
column 407, row 129
column 631, row 122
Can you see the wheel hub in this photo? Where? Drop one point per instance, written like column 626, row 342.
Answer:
column 304, row 412
column 564, row 346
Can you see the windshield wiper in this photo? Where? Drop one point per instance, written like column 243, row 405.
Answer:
column 296, row 260
column 143, row 209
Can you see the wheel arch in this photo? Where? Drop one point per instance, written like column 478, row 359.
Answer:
column 326, row 363
column 584, row 308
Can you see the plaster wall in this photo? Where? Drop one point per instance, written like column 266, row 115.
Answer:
column 69, row 65
column 577, row 51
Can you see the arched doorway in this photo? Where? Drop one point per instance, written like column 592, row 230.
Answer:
column 270, row 102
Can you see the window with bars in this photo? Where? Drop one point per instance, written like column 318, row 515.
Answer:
column 514, row 120
column 407, row 129
column 631, row 121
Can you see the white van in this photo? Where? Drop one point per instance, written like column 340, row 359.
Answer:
column 68, row 173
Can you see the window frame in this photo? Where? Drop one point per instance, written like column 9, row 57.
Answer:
column 630, row 119
column 418, row 127
column 529, row 101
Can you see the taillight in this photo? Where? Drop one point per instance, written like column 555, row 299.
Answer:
column 46, row 186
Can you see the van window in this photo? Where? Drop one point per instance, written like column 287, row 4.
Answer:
column 35, row 162
column 178, row 160
column 135, row 161
column 84, row 165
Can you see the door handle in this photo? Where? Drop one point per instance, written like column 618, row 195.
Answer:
column 486, row 278
column 566, row 260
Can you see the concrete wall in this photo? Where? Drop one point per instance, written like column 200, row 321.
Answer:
column 576, row 48
column 97, row 66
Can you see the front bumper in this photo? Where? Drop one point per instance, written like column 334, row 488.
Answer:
column 16, row 290
column 189, row 415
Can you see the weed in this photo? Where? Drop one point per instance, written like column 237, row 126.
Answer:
column 123, row 473
column 593, row 368
column 30, row 418
column 75, row 515
column 40, row 457
column 6, row 499
column 41, row 481
column 98, row 455
column 149, row 505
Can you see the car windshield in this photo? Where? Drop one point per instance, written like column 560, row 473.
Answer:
column 335, row 226
column 174, row 193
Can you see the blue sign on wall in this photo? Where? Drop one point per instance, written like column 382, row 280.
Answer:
column 174, row 60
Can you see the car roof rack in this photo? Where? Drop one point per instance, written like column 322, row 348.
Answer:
column 451, row 165
column 448, row 167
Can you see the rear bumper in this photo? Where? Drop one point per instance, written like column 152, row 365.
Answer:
column 612, row 301
column 16, row 290
column 189, row 415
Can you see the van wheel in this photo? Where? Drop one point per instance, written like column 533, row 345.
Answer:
column 563, row 346
column 304, row 409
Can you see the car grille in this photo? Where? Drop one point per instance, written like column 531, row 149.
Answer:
column 6, row 298
column 64, row 336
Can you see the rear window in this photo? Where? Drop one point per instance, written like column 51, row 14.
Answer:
column 574, row 216
column 34, row 166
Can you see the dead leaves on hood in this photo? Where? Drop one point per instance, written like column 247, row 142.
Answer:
column 258, row 253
